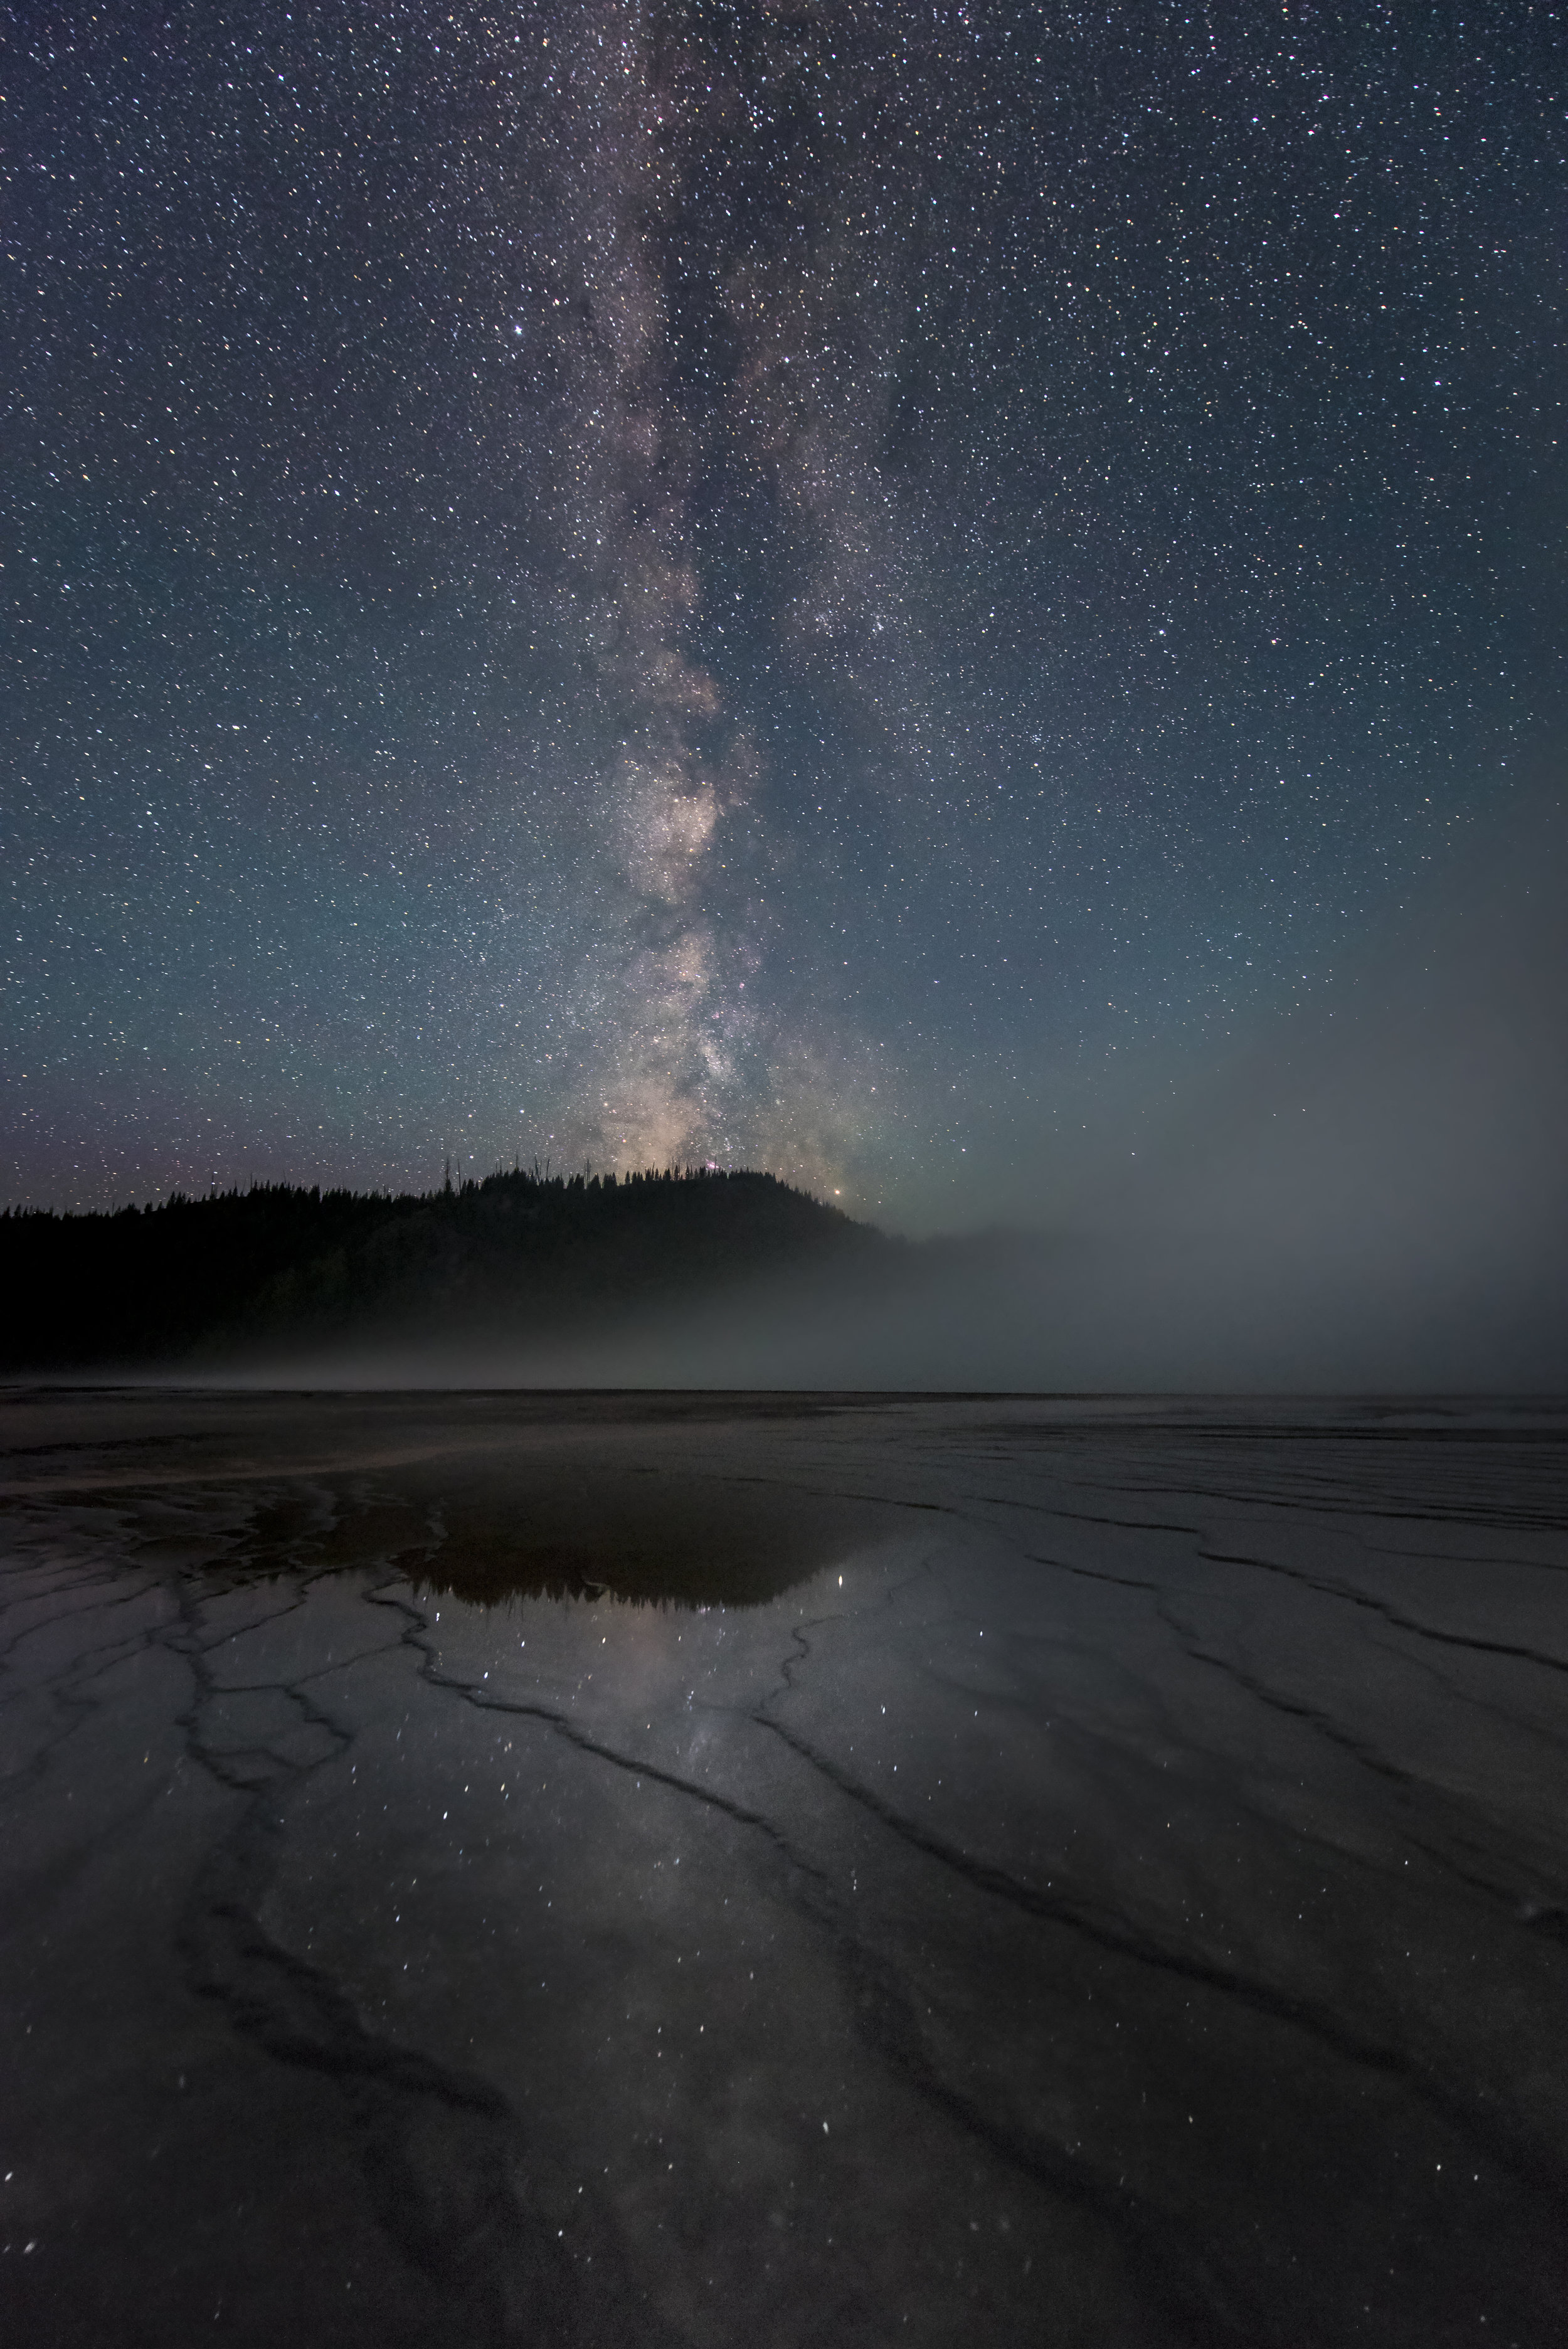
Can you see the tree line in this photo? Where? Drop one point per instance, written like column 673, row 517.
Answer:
column 192, row 1275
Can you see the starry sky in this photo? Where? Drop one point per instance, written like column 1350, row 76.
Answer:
column 866, row 589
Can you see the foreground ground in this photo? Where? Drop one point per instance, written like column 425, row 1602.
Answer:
column 782, row 1871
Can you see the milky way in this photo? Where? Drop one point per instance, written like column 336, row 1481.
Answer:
column 842, row 589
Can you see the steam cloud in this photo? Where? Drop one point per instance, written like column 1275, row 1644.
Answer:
column 1374, row 1195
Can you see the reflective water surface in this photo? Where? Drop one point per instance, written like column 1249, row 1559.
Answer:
column 806, row 1869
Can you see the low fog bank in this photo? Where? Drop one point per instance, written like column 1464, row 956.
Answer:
column 1373, row 1196
column 1375, row 1192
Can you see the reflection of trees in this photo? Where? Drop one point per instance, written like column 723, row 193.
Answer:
column 629, row 1535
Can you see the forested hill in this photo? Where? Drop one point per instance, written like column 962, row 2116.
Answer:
column 242, row 1272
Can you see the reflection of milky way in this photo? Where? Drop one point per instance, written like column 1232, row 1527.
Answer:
column 851, row 588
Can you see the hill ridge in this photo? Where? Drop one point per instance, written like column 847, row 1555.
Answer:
column 196, row 1279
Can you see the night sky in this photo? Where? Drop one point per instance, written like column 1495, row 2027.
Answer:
column 868, row 590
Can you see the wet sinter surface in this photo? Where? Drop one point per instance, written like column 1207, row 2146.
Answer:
column 486, row 1869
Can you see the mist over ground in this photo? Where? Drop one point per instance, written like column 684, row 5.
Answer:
column 1371, row 1194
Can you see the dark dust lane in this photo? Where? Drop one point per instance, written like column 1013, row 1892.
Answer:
column 682, row 1870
